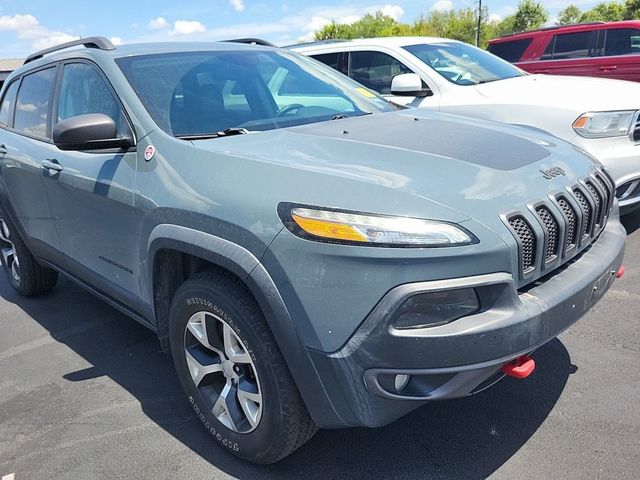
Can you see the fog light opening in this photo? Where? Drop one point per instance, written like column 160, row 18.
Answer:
column 401, row 382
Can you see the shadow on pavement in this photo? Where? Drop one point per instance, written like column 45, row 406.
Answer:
column 467, row 438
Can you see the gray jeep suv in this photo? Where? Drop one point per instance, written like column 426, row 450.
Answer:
column 310, row 256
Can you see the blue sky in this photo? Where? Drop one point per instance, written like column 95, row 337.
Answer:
column 29, row 25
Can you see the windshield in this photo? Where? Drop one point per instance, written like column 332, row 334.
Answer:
column 198, row 94
column 463, row 64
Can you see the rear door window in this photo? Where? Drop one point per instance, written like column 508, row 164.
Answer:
column 32, row 105
column 622, row 41
column 8, row 103
column 511, row 51
column 375, row 70
column 575, row 45
column 333, row 60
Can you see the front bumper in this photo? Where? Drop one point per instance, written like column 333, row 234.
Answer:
column 464, row 356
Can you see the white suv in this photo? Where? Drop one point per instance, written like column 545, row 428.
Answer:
column 600, row 116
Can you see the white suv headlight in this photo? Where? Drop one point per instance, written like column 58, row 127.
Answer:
column 372, row 230
column 604, row 124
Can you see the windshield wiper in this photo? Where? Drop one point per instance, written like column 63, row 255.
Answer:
column 340, row 116
column 229, row 132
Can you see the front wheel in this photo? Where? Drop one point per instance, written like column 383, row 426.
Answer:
column 233, row 372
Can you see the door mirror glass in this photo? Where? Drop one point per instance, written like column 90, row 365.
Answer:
column 92, row 131
column 408, row 85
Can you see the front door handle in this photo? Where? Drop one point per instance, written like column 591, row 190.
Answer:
column 608, row 68
column 52, row 166
column 3, row 150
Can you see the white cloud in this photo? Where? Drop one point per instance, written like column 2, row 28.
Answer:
column 116, row 40
column 238, row 5
column 495, row 18
column 187, row 27
column 27, row 27
column 52, row 40
column 442, row 6
column 346, row 15
column 393, row 11
column 20, row 23
column 158, row 23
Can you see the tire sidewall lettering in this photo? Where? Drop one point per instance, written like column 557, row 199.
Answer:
column 215, row 309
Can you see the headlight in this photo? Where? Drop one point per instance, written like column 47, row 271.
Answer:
column 604, row 124
column 374, row 230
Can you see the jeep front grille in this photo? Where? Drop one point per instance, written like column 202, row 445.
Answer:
column 561, row 226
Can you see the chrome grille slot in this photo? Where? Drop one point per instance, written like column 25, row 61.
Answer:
column 587, row 213
column 553, row 231
column 571, row 228
column 526, row 242
column 597, row 198
column 609, row 192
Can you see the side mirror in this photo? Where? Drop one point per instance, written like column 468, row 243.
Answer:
column 93, row 131
column 408, row 85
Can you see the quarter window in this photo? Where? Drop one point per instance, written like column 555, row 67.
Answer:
column 511, row 51
column 32, row 105
column 375, row 70
column 622, row 41
column 6, row 109
column 83, row 91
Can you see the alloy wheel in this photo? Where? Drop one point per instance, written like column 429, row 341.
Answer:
column 223, row 372
column 8, row 250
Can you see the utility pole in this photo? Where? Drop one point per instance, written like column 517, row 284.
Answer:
column 479, row 23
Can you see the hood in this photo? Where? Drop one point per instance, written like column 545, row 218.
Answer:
column 412, row 163
column 581, row 93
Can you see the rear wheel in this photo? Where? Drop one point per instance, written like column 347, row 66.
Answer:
column 25, row 274
column 233, row 372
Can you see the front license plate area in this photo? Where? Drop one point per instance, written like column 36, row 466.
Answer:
column 602, row 285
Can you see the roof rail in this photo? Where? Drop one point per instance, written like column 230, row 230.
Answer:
column 554, row 27
column 251, row 41
column 318, row 42
column 89, row 42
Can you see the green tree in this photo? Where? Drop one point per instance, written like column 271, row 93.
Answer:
column 604, row 12
column 632, row 10
column 569, row 15
column 505, row 26
column 530, row 15
column 376, row 25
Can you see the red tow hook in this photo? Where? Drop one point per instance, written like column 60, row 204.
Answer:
column 520, row 367
column 620, row 273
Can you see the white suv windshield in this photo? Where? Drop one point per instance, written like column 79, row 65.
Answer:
column 199, row 94
column 463, row 64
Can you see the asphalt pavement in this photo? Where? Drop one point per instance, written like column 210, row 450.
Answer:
column 85, row 393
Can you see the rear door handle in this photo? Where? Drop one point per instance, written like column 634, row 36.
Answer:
column 608, row 68
column 3, row 149
column 52, row 166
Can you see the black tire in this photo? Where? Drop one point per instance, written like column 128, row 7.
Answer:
column 218, row 299
column 24, row 273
